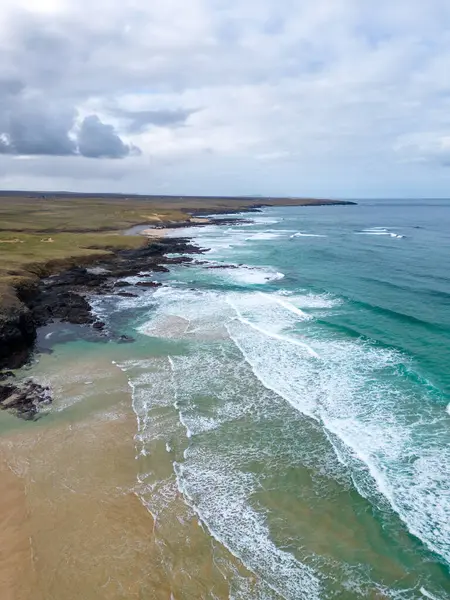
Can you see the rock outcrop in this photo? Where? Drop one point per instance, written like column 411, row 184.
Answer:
column 24, row 400
column 65, row 296
column 17, row 333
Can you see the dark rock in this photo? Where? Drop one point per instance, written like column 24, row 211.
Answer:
column 5, row 392
column 64, row 305
column 127, row 295
column 76, row 276
column 13, row 400
column 17, row 335
column 152, row 284
column 222, row 267
column 99, row 325
column 24, row 400
column 126, row 339
column 6, row 375
column 122, row 284
column 63, row 297
column 178, row 260
column 160, row 269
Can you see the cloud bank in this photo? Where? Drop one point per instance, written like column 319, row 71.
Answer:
column 342, row 98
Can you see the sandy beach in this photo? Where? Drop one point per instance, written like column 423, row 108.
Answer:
column 70, row 517
column 74, row 521
column 156, row 232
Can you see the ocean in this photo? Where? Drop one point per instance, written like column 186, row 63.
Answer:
column 291, row 388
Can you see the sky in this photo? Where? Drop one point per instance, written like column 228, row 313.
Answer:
column 320, row 98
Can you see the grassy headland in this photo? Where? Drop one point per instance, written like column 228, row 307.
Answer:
column 43, row 233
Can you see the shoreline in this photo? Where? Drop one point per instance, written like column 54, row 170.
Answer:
column 61, row 293
column 65, row 298
column 33, row 459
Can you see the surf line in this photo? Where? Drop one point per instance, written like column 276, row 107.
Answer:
column 287, row 305
column 273, row 335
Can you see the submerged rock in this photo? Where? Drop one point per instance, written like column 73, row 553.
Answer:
column 127, row 295
column 126, row 339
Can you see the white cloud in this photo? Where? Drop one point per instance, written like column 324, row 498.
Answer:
column 428, row 147
column 289, row 96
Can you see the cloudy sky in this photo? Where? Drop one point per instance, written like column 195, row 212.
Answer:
column 335, row 98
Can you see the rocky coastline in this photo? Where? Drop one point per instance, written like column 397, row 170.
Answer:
column 64, row 298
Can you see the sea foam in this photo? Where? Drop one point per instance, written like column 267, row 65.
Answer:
column 299, row 234
column 338, row 384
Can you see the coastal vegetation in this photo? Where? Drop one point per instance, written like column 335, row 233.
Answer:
column 43, row 235
column 40, row 235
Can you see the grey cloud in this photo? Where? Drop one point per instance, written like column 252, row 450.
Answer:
column 100, row 140
column 32, row 125
column 10, row 87
column 33, row 132
column 325, row 81
column 4, row 145
column 139, row 120
column 32, row 129
column 40, row 86
column 47, row 52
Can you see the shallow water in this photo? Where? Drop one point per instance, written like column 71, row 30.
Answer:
column 291, row 422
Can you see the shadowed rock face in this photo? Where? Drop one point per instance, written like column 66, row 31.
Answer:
column 17, row 334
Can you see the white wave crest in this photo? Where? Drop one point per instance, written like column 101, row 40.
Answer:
column 264, row 235
column 219, row 494
column 379, row 231
column 313, row 235
column 337, row 383
column 253, row 275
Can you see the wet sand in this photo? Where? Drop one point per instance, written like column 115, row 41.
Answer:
column 71, row 523
column 17, row 576
column 76, row 501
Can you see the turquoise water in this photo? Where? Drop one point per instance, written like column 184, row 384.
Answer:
column 301, row 390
